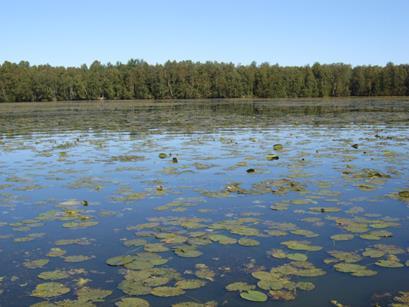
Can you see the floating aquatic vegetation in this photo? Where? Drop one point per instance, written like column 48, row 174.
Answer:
column 342, row 237
column 278, row 147
column 195, row 304
column 305, row 285
column 222, row 239
column 345, row 256
column 35, row 264
column 145, row 261
column 380, row 250
column 376, row 235
column 171, row 238
column 155, row 248
column 141, row 282
column 202, row 166
column 162, row 155
column 94, row 295
column 187, row 251
column 77, row 258
column 401, row 195
column 120, row 260
column 132, row 302
column 50, row 289
column 56, row 252
column 320, row 188
column 254, row 296
column 354, row 269
column 248, row 242
column 127, row 158
column 240, row 286
column 79, row 241
column 54, row 275
column 391, row 261
column 325, row 209
column 204, row 272
column 276, row 233
column 280, row 254
column 284, row 295
column 134, row 242
column 187, row 284
column 91, row 183
column 30, row 237
column 77, row 225
column 271, row 157
column 301, row 245
column 129, row 197
column 279, row 187
column 401, row 300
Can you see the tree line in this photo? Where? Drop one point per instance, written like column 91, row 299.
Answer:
column 188, row 80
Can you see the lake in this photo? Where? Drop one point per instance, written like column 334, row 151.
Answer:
column 205, row 203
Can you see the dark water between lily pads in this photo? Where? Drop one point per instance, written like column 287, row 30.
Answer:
column 289, row 203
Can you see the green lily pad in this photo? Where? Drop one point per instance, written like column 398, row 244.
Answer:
column 187, row 252
column 271, row 157
column 87, row 294
column 278, row 147
column 301, row 245
column 119, row 260
column 254, row 296
column 195, row 304
column 186, row 284
column 305, row 286
column 390, row 262
column 132, row 302
column 240, row 286
column 222, row 239
column 77, row 258
column 248, row 242
column 342, row 237
column 131, row 287
column 53, row 275
column 50, row 289
column 56, row 252
column 35, row 264
column 155, row 248
column 283, row 295
column 297, row 257
column 355, row 269
column 167, row 291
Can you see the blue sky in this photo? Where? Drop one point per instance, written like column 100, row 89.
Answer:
column 288, row 32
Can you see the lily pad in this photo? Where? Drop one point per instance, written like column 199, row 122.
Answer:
column 50, row 289
column 254, row 296
column 119, row 260
column 132, row 302
column 186, row 284
column 167, row 291
column 53, row 275
column 301, row 245
column 248, row 242
column 35, row 264
column 240, row 286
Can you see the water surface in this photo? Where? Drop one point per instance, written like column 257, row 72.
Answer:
column 180, row 189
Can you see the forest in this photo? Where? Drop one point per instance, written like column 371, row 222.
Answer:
column 137, row 79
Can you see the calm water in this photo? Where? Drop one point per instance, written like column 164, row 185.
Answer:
column 181, row 189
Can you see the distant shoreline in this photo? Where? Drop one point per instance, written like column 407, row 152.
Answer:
column 194, row 80
column 216, row 100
